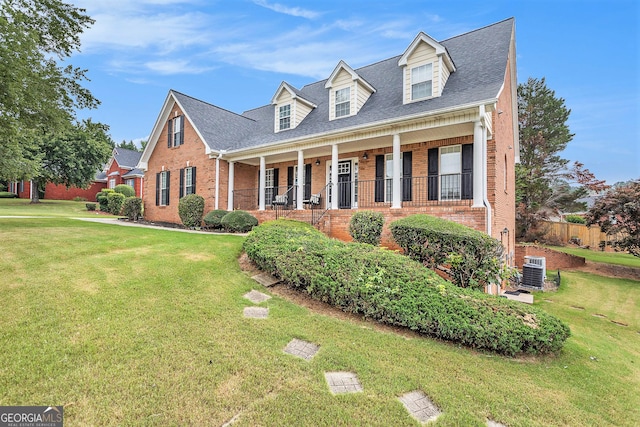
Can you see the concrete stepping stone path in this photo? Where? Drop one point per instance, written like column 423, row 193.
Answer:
column 300, row 348
column 256, row 297
column 256, row 312
column 420, row 406
column 266, row 279
column 343, row 382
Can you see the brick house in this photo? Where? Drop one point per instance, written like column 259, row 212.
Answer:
column 433, row 130
column 122, row 169
column 60, row 191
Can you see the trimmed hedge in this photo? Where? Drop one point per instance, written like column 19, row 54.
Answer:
column 90, row 206
column 238, row 221
column 132, row 208
column 7, row 195
column 191, row 209
column 394, row 289
column 366, row 227
column 213, row 219
column 114, row 203
column 472, row 257
column 101, row 198
column 125, row 189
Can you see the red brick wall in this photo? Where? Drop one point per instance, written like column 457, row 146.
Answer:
column 554, row 260
column 61, row 192
column 173, row 159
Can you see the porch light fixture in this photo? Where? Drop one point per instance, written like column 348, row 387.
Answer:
column 365, row 156
column 317, row 162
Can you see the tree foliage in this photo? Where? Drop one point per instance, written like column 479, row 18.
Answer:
column 617, row 213
column 543, row 177
column 129, row 145
column 70, row 156
column 37, row 93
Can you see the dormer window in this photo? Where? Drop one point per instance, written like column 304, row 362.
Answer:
column 421, row 82
column 285, row 116
column 343, row 102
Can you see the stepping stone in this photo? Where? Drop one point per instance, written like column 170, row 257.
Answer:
column 420, row 406
column 343, row 382
column 256, row 312
column 266, row 279
column 303, row 349
column 491, row 423
column 256, row 297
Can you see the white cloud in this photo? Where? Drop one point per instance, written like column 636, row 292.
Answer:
column 292, row 11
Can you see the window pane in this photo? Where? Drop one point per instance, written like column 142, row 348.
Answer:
column 343, row 109
column 421, row 78
column 285, row 117
column 343, row 104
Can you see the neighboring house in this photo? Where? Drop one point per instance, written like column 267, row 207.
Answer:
column 52, row 191
column 122, row 169
column 433, row 130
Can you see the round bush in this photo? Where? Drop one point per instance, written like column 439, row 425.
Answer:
column 238, row 222
column 213, row 219
column 125, row 189
column 91, row 206
column 114, row 203
column 191, row 209
column 366, row 227
column 132, row 208
column 101, row 198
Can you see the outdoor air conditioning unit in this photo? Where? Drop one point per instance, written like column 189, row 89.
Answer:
column 538, row 260
column 533, row 276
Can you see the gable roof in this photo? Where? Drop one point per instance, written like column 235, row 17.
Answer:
column 424, row 38
column 480, row 61
column 354, row 76
column 295, row 94
column 127, row 159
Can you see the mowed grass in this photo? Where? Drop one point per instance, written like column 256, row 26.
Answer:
column 618, row 258
column 50, row 208
column 132, row 326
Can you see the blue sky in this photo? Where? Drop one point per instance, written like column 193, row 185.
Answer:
column 235, row 53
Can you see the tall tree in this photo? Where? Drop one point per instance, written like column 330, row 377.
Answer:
column 129, row 145
column 37, row 93
column 617, row 213
column 71, row 156
column 544, row 133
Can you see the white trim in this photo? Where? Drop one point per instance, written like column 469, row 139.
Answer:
column 440, row 51
column 354, row 76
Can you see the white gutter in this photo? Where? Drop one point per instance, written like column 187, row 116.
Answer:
column 485, row 199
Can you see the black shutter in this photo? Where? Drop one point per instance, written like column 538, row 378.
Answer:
column 193, row 179
column 406, row 176
column 379, row 188
column 181, row 183
column 290, row 182
column 432, row 172
column 157, row 189
column 169, row 132
column 168, row 184
column 467, row 171
column 276, row 180
column 181, row 131
column 307, row 181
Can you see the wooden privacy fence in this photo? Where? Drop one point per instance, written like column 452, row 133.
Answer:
column 579, row 234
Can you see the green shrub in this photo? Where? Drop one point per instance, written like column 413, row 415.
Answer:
column 391, row 288
column 114, row 203
column 238, row 221
column 125, row 189
column 101, row 198
column 132, row 208
column 91, row 206
column 7, row 195
column 3, row 187
column 213, row 219
column 575, row 219
column 366, row 227
column 191, row 209
column 472, row 257
column 79, row 199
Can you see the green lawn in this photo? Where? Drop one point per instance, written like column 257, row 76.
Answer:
column 618, row 258
column 55, row 208
column 133, row 326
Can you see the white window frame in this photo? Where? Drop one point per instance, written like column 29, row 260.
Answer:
column 343, row 102
column 189, row 184
column 450, row 172
column 177, row 125
column 130, row 182
column 422, row 79
column 112, row 183
column 284, row 115
column 164, row 194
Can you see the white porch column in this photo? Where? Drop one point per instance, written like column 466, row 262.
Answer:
column 334, row 176
column 396, row 201
column 478, row 148
column 261, row 183
column 300, row 189
column 216, row 204
column 230, row 186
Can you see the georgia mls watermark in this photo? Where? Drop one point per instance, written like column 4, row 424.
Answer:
column 31, row 416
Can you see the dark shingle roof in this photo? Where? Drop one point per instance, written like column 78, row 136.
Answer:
column 127, row 158
column 480, row 57
column 133, row 173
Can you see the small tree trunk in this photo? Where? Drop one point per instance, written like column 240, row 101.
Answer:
column 35, row 195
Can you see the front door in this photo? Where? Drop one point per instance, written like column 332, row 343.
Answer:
column 344, row 184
